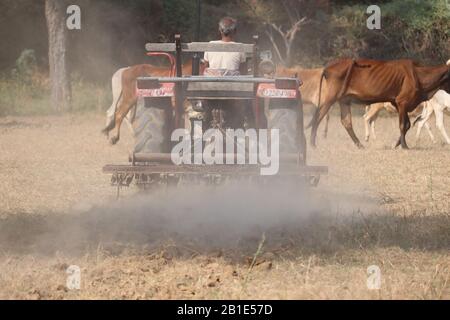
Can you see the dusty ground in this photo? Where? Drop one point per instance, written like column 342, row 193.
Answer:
column 378, row 206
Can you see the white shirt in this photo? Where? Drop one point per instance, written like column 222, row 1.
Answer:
column 224, row 60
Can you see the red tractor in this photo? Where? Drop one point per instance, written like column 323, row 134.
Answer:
column 246, row 102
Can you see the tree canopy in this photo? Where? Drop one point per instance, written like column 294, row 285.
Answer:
column 114, row 32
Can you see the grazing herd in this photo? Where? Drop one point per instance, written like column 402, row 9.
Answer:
column 401, row 86
column 404, row 83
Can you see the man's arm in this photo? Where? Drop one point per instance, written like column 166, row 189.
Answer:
column 205, row 59
column 243, row 68
column 204, row 64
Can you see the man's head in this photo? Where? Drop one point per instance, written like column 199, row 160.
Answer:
column 228, row 27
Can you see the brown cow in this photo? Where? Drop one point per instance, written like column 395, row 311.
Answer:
column 310, row 94
column 128, row 94
column 404, row 83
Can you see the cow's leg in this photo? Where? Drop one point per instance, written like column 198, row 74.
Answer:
column 423, row 121
column 367, row 124
column 373, row 119
column 317, row 118
column 370, row 117
column 118, row 121
column 404, row 124
column 325, row 129
column 372, row 125
column 406, row 127
column 121, row 112
column 346, row 120
column 427, row 126
column 111, row 124
column 406, row 101
column 439, row 114
column 419, row 129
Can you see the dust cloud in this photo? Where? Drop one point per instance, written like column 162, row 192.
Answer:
column 235, row 215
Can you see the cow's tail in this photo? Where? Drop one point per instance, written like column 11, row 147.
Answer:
column 316, row 112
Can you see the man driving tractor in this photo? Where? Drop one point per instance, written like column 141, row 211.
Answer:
column 225, row 63
column 220, row 64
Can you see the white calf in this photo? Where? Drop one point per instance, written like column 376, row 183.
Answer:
column 437, row 104
column 374, row 109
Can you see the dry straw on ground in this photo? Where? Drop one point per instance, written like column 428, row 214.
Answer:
column 377, row 207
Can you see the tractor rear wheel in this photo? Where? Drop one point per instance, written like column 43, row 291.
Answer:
column 284, row 118
column 149, row 126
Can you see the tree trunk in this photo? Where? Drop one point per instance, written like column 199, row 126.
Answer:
column 61, row 94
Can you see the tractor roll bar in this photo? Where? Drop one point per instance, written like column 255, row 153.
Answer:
column 245, row 79
column 280, row 83
column 201, row 47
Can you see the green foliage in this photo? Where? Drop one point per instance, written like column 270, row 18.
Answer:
column 26, row 66
column 18, row 99
column 21, row 98
column 417, row 14
column 27, row 91
column 418, row 29
column 180, row 16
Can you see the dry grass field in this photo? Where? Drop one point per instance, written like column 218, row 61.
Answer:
column 377, row 206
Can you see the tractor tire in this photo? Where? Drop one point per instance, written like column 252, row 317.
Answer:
column 285, row 120
column 149, row 126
